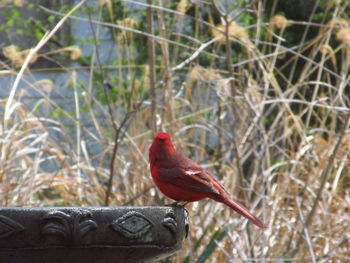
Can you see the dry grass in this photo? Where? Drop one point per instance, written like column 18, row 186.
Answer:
column 278, row 141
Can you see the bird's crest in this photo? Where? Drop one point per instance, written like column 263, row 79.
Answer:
column 162, row 136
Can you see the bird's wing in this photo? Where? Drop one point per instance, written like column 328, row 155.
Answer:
column 189, row 178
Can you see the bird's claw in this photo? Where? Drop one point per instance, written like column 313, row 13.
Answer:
column 173, row 204
column 178, row 203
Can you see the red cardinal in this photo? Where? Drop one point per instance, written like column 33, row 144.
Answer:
column 185, row 181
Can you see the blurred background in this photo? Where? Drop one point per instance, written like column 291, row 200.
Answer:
column 257, row 92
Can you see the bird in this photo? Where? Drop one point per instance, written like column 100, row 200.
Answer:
column 184, row 181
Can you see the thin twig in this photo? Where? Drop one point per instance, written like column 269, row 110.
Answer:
column 196, row 53
column 117, row 136
column 152, row 69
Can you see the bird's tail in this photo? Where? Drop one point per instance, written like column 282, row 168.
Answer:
column 240, row 209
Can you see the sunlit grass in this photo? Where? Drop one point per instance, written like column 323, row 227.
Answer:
column 274, row 130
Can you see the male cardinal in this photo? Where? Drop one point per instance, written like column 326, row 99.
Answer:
column 185, row 181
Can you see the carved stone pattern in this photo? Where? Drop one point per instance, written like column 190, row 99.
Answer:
column 170, row 223
column 132, row 225
column 70, row 227
column 187, row 224
column 8, row 226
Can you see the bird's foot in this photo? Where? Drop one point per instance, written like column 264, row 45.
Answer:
column 181, row 204
column 178, row 203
